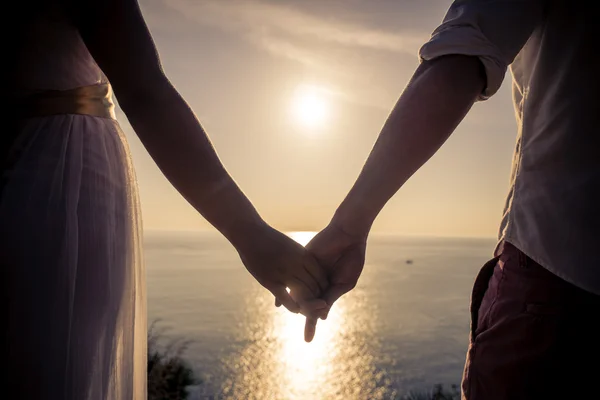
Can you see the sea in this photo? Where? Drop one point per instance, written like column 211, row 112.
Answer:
column 402, row 330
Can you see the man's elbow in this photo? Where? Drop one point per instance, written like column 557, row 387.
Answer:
column 456, row 72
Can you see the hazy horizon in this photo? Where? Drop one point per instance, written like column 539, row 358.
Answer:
column 293, row 95
column 379, row 233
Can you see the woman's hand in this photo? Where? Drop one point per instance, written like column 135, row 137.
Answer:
column 277, row 262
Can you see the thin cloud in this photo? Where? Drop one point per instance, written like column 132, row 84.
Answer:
column 287, row 49
column 304, row 38
column 260, row 18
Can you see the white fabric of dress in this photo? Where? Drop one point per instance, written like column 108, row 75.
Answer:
column 70, row 238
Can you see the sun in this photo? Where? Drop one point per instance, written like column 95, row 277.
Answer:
column 310, row 106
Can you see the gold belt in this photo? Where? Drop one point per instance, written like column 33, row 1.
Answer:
column 94, row 100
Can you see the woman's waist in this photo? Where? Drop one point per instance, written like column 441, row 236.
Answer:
column 92, row 100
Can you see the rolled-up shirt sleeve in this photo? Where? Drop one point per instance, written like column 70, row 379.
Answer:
column 493, row 30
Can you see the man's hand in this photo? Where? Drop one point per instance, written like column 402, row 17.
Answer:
column 342, row 255
column 278, row 263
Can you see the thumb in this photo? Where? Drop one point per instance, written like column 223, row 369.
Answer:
column 310, row 328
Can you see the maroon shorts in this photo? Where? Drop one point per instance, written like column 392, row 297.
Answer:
column 533, row 335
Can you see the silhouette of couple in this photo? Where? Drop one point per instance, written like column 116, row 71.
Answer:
column 70, row 226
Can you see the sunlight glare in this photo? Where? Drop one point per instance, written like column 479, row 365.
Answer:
column 302, row 237
column 310, row 107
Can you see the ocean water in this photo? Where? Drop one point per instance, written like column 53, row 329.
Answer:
column 404, row 327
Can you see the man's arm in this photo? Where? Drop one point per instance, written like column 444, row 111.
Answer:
column 434, row 102
column 465, row 60
column 467, row 57
column 436, row 99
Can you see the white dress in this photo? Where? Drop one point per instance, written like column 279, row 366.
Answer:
column 70, row 240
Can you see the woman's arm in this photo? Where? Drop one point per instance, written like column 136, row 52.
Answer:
column 116, row 35
column 120, row 42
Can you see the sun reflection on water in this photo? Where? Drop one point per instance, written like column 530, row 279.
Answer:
column 306, row 368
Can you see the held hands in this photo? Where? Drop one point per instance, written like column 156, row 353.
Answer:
column 342, row 257
column 317, row 275
column 277, row 262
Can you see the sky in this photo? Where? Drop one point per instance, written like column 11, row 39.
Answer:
column 293, row 94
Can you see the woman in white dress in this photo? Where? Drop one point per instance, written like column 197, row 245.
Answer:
column 70, row 228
